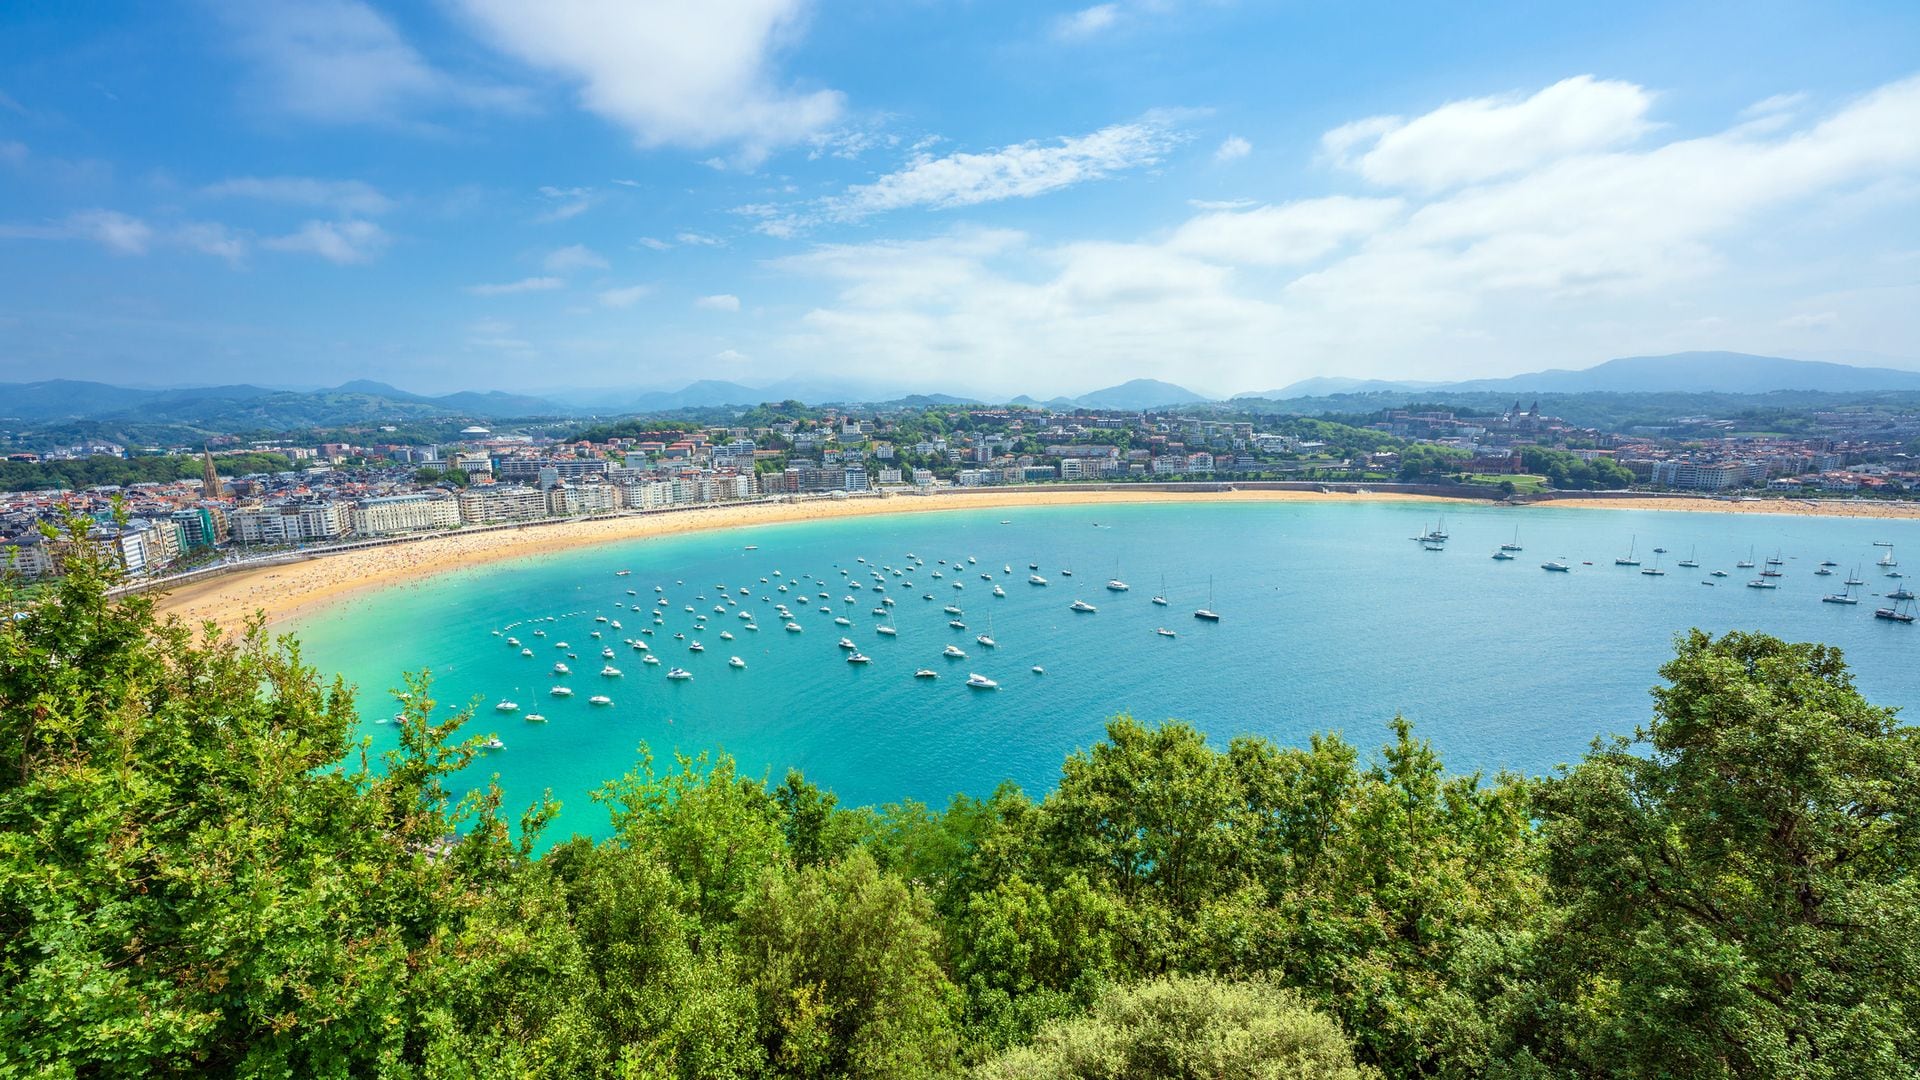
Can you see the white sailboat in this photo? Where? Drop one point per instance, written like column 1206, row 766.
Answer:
column 1628, row 559
column 1207, row 614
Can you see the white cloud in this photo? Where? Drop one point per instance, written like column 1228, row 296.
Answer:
column 694, row 239
column 1593, row 248
column 1232, row 148
column 1810, row 320
column 212, row 238
column 565, row 203
column 730, row 356
column 1020, row 171
column 1483, row 138
column 654, row 243
column 125, row 234
column 524, row 285
column 680, row 74
column 353, row 197
column 573, row 257
column 721, row 302
column 1222, row 204
column 1775, row 105
column 341, row 61
column 624, row 297
column 119, row 233
column 1285, row 235
column 341, row 242
column 1086, row 22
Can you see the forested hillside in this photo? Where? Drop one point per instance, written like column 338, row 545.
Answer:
column 202, row 871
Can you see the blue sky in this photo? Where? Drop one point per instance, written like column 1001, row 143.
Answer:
column 977, row 197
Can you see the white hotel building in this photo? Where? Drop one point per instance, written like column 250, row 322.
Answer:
column 404, row 514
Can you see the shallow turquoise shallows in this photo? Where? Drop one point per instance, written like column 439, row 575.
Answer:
column 1331, row 619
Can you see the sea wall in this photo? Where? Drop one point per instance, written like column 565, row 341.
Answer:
column 1443, row 491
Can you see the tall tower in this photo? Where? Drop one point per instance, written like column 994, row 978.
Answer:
column 209, row 476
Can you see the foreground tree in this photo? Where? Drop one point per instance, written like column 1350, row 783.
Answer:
column 1738, row 880
column 190, row 879
column 1186, row 1028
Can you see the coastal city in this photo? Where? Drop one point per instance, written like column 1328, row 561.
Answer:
column 376, row 488
column 1078, row 540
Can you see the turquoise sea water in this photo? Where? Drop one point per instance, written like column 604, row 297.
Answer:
column 1332, row 620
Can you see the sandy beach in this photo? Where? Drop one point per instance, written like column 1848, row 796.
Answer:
column 283, row 593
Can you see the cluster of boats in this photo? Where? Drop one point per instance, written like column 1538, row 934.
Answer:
column 787, row 596
column 1900, row 611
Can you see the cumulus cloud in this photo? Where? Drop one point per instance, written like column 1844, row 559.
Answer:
column 340, row 242
column 524, row 285
column 678, row 74
column 1482, row 138
column 340, row 196
column 1600, row 240
column 342, row 62
column 1020, row 171
column 1086, row 22
column 721, row 302
column 573, row 257
column 1232, row 148
column 624, row 297
column 1284, row 235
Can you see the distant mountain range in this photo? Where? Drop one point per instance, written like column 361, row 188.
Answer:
column 1686, row 373
column 246, row 407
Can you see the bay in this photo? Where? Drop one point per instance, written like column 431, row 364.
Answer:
column 1332, row 620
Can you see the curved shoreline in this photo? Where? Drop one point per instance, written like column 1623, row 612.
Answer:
column 286, row 591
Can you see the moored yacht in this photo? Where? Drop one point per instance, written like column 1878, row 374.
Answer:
column 981, row 682
column 1628, row 559
column 953, row 652
column 1083, row 607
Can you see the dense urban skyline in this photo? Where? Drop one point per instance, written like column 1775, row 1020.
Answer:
column 975, row 198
